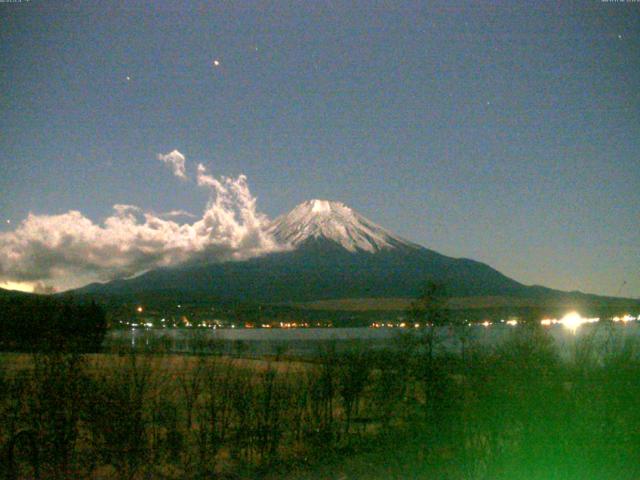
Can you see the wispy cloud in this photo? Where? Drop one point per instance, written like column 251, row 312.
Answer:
column 176, row 161
column 177, row 213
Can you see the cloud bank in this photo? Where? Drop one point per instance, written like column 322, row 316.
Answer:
column 69, row 250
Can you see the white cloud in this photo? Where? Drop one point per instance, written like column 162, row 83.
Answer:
column 176, row 213
column 69, row 250
column 19, row 286
column 176, row 161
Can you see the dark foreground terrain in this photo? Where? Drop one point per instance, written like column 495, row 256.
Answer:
column 512, row 412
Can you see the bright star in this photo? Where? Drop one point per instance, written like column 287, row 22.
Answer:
column 216, row 63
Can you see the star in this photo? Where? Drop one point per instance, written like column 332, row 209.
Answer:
column 128, row 78
column 216, row 63
column 619, row 37
column 8, row 222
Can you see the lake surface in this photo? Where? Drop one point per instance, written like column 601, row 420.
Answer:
column 307, row 341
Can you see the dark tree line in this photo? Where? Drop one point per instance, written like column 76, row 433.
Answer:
column 40, row 323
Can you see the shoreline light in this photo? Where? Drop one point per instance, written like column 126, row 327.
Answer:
column 573, row 320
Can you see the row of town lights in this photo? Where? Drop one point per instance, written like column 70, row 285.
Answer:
column 571, row 321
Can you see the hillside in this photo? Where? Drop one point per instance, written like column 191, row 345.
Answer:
column 330, row 252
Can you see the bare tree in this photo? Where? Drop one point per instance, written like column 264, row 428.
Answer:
column 429, row 312
column 353, row 374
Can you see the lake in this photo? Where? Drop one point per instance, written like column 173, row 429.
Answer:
column 308, row 341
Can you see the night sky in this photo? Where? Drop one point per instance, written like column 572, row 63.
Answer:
column 507, row 132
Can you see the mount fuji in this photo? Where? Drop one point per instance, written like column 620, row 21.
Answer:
column 329, row 252
column 335, row 222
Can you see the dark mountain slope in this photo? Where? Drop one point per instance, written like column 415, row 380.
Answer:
column 333, row 253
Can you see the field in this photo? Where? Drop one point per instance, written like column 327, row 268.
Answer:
column 515, row 411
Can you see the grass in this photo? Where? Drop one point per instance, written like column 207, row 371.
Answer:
column 513, row 412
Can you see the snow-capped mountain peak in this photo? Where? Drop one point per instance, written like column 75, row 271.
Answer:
column 324, row 219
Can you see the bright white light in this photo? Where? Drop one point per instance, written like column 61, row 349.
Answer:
column 512, row 323
column 624, row 318
column 573, row 320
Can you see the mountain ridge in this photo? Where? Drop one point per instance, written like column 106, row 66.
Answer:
column 331, row 252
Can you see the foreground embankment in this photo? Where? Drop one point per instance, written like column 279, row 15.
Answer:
column 512, row 411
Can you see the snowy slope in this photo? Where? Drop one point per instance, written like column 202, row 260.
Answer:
column 323, row 219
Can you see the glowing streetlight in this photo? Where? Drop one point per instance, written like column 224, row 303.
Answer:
column 573, row 320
